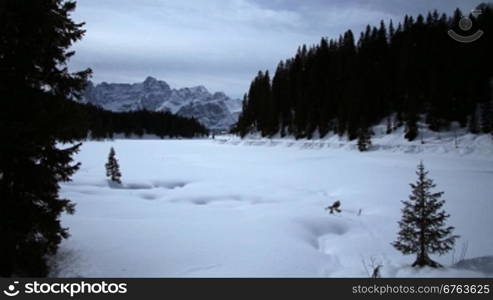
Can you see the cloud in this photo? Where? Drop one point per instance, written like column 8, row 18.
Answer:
column 217, row 43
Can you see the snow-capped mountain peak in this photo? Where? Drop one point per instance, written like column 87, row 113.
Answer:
column 214, row 110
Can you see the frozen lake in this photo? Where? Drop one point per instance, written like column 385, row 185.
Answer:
column 204, row 208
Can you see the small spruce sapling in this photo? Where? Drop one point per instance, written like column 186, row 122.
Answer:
column 364, row 139
column 422, row 227
column 112, row 168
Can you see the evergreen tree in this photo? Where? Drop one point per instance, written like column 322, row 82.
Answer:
column 404, row 71
column 364, row 136
column 422, row 226
column 473, row 122
column 486, row 117
column 113, row 168
column 412, row 131
column 389, row 125
column 35, row 86
column 490, row 117
column 364, row 139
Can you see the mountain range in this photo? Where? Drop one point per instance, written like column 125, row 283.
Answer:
column 216, row 111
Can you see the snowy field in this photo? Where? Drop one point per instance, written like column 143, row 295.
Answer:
column 223, row 208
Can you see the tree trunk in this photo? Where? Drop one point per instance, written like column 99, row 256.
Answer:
column 424, row 260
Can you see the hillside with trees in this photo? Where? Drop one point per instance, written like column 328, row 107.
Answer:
column 393, row 73
column 97, row 123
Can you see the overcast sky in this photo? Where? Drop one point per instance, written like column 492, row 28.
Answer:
column 220, row 44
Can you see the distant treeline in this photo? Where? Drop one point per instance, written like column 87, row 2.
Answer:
column 94, row 122
column 396, row 73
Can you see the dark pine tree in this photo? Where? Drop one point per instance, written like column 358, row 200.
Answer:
column 364, row 139
column 36, row 115
column 473, row 122
column 389, row 125
column 486, row 117
column 411, row 129
column 423, row 229
column 113, row 168
column 414, row 71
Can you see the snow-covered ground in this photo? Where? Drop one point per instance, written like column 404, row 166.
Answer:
column 457, row 141
column 225, row 208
